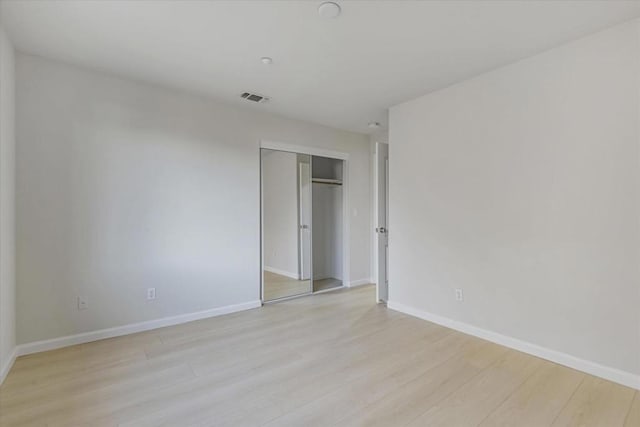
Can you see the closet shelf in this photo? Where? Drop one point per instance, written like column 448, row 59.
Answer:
column 326, row 181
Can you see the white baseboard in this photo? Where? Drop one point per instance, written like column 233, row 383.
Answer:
column 4, row 370
column 52, row 344
column 360, row 282
column 281, row 272
column 612, row 374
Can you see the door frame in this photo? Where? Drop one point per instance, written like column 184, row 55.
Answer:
column 376, row 221
column 300, row 209
column 346, row 218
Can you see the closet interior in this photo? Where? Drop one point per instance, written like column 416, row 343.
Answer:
column 327, row 223
column 302, row 224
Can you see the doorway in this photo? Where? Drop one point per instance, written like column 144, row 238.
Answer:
column 327, row 223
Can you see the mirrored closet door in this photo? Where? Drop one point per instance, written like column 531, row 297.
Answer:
column 286, row 224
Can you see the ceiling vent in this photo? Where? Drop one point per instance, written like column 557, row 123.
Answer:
column 254, row 97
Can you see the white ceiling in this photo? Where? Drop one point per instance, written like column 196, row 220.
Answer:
column 344, row 72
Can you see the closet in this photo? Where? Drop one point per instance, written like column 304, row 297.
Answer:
column 302, row 224
column 327, row 223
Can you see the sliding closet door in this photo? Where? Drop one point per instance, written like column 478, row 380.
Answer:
column 286, row 224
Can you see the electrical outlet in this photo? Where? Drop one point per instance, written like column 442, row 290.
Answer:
column 459, row 295
column 83, row 303
column 151, row 293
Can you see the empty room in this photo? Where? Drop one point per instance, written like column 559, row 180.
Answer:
column 319, row 213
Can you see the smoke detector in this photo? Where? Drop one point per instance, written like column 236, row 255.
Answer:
column 329, row 10
column 254, row 97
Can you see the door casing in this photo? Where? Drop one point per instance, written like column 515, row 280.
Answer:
column 381, row 220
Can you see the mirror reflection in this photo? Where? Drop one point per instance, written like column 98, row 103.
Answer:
column 286, row 222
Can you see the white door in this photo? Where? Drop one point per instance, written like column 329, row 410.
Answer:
column 381, row 194
column 304, row 186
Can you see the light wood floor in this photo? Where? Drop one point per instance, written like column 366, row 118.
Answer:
column 278, row 286
column 333, row 359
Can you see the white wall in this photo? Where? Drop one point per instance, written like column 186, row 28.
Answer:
column 522, row 186
column 7, row 206
column 124, row 185
column 280, row 212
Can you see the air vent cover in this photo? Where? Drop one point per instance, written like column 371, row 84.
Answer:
column 254, row 97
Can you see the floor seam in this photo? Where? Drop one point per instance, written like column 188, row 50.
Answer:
column 518, row 387
column 636, row 395
column 584, row 377
column 461, row 385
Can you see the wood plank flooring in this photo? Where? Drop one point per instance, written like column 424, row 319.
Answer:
column 278, row 286
column 333, row 359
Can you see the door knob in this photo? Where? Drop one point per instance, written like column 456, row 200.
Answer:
column 381, row 230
